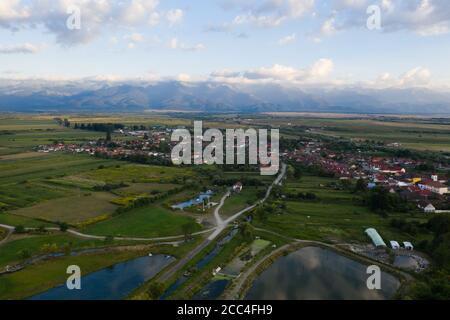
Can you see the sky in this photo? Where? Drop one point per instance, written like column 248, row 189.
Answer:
column 305, row 42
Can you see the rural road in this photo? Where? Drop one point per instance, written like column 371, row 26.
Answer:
column 221, row 226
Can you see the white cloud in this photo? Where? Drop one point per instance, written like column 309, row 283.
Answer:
column 136, row 37
column 423, row 17
column 287, row 40
column 175, row 16
column 318, row 72
column 328, row 28
column 96, row 16
column 267, row 13
column 26, row 48
column 321, row 68
column 184, row 77
column 415, row 77
column 418, row 76
column 175, row 44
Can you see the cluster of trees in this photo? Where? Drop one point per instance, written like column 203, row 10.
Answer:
column 99, row 127
column 276, row 207
column 110, row 186
column 382, row 201
column 246, row 181
column 63, row 122
column 410, row 227
column 145, row 201
column 435, row 284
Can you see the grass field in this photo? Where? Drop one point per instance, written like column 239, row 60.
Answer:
column 335, row 216
column 13, row 220
column 239, row 201
column 145, row 188
column 48, row 274
column 51, row 166
column 138, row 174
column 152, row 221
column 34, row 245
column 3, row 233
column 75, row 209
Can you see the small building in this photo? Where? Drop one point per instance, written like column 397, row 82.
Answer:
column 435, row 187
column 429, row 209
column 408, row 245
column 376, row 238
column 395, row 245
column 426, row 206
column 237, row 187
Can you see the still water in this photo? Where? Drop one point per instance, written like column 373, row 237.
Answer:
column 318, row 274
column 113, row 283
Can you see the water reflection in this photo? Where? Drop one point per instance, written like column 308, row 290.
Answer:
column 112, row 283
column 318, row 274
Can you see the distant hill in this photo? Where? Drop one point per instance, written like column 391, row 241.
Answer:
column 95, row 96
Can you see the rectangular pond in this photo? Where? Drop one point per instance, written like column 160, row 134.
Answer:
column 113, row 283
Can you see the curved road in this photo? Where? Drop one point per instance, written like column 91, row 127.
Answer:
column 221, row 226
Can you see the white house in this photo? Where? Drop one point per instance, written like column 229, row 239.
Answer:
column 395, row 245
column 429, row 209
column 237, row 187
column 408, row 245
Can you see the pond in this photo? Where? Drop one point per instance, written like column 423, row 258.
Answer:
column 113, row 283
column 314, row 273
column 406, row 262
column 201, row 263
column 212, row 290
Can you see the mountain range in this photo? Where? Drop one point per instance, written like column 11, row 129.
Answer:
column 98, row 96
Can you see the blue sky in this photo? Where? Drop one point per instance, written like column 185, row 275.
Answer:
column 292, row 41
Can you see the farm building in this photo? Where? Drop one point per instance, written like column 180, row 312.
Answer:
column 375, row 237
column 408, row 245
column 237, row 187
column 395, row 245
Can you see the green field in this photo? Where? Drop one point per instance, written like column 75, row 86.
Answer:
column 48, row 274
column 3, row 233
column 34, row 246
column 13, row 220
column 75, row 209
column 136, row 189
column 335, row 216
column 138, row 174
column 149, row 222
column 239, row 201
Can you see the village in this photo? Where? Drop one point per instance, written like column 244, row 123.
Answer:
column 428, row 190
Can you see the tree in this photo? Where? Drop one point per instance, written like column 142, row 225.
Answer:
column 108, row 136
column 246, row 231
column 24, row 254
column 67, row 248
column 360, row 185
column 19, row 229
column 155, row 290
column 188, row 229
column 109, row 239
column 63, row 227
column 261, row 214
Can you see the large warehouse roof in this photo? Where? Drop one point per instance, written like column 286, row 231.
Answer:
column 376, row 238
